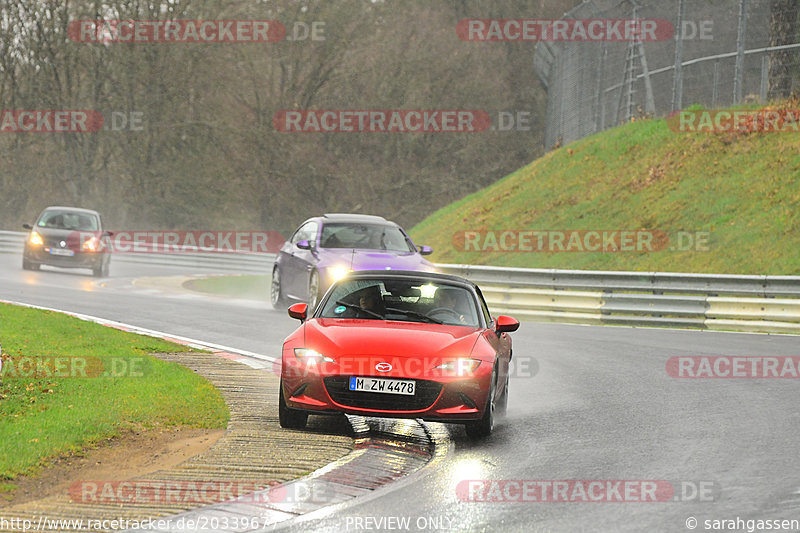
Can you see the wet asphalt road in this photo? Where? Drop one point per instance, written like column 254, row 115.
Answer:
column 600, row 407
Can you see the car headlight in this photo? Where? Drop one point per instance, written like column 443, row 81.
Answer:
column 338, row 272
column 460, row 367
column 35, row 239
column 91, row 245
column 311, row 357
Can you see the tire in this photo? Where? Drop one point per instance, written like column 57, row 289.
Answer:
column 313, row 291
column 27, row 265
column 502, row 402
column 276, row 292
column 479, row 429
column 101, row 271
column 290, row 418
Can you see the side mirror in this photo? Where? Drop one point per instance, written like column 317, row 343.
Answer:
column 27, row 226
column 425, row 250
column 299, row 311
column 303, row 245
column 506, row 324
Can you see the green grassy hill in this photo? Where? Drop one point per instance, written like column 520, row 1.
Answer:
column 741, row 191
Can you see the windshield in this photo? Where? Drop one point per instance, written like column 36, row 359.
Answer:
column 68, row 220
column 402, row 300
column 364, row 236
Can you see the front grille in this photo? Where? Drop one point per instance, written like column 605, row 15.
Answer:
column 55, row 242
column 425, row 394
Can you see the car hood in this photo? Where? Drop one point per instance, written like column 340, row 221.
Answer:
column 373, row 259
column 378, row 338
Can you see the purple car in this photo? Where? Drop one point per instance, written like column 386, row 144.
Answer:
column 326, row 248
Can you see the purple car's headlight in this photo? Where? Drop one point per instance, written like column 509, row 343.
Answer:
column 337, row 272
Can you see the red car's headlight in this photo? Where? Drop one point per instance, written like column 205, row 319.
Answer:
column 312, row 357
column 460, row 367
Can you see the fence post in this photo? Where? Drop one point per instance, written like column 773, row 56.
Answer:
column 739, row 76
column 599, row 96
column 677, row 78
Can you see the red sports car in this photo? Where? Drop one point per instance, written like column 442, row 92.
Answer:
column 398, row 344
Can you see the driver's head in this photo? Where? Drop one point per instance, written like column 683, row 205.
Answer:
column 447, row 298
column 370, row 298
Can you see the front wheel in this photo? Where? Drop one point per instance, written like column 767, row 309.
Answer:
column 502, row 403
column 483, row 427
column 290, row 418
column 101, row 271
column 275, row 291
column 27, row 265
column 313, row 291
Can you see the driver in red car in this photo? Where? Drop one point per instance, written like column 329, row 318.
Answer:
column 451, row 299
column 370, row 299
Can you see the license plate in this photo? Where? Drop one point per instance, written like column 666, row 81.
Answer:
column 386, row 386
column 62, row 251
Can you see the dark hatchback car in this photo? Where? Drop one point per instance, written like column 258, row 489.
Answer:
column 67, row 237
column 324, row 249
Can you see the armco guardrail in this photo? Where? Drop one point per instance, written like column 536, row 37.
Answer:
column 707, row 301
column 12, row 242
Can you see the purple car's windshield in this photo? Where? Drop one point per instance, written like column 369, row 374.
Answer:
column 364, row 236
column 403, row 300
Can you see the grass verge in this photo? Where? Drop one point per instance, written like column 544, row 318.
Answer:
column 250, row 287
column 67, row 384
column 740, row 191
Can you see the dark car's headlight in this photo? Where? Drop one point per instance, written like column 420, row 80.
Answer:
column 34, row 239
column 91, row 245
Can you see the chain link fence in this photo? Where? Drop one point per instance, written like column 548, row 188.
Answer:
column 722, row 53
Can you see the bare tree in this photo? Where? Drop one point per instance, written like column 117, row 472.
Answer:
column 784, row 64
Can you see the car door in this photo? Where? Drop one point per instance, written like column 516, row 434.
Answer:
column 298, row 262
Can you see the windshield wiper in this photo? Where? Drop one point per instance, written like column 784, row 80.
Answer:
column 359, row 308
column 415, row 314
